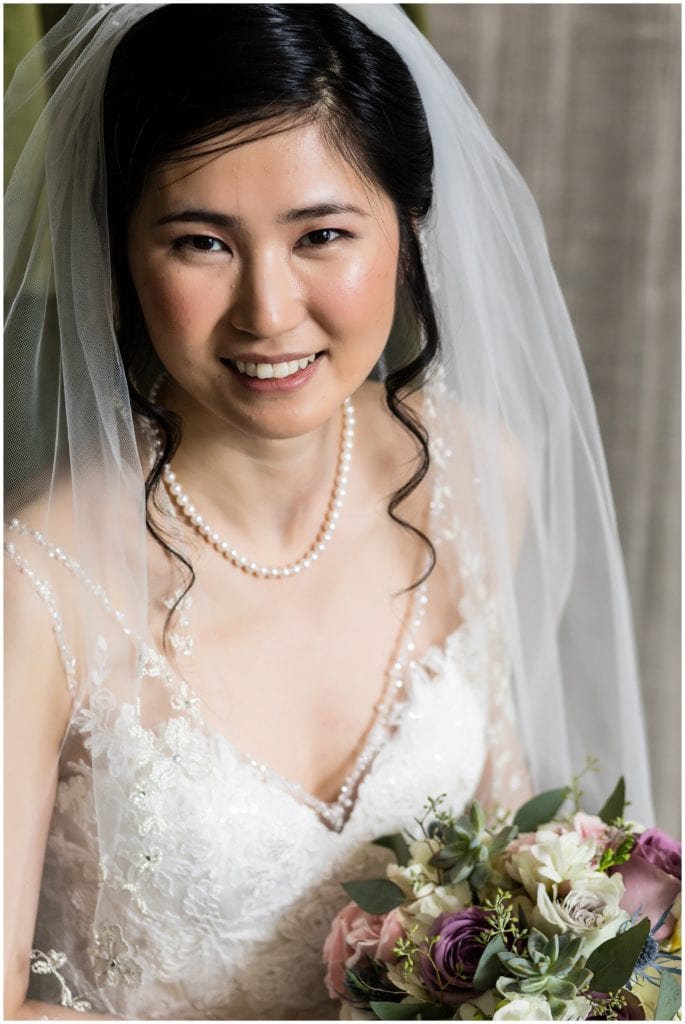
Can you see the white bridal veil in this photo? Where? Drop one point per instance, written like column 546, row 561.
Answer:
column 510, row 363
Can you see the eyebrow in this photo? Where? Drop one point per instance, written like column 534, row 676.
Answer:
column 227, row 220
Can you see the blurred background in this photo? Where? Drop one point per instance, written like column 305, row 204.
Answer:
column 585, row 98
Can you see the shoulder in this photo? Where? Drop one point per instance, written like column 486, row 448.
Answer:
column 479, row 457
column 42, row 595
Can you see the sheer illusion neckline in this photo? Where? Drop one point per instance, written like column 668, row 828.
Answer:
column 386, row 715
column 380, row 734
column 383, row 723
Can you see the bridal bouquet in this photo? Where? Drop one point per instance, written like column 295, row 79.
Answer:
column 539, row 917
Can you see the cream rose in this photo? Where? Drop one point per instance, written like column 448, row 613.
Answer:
column 525, row 1008
column 553, row 859
column 434, row 900
column 591, row 908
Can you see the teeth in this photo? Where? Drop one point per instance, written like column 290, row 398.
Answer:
column 265, row 371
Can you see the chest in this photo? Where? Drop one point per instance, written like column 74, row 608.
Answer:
column 292, row 671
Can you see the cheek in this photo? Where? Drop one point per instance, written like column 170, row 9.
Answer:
column 171, row 303
column 362, row 298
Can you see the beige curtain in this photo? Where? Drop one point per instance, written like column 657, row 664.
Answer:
column 585, row 99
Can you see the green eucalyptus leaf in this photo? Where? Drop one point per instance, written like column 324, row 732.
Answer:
column 540, row 809
column 408, row 1011
column 398, row 844
column 612, row 963
column 616, row 803
column 489, row 966
column 375, row 895
column 670, row 998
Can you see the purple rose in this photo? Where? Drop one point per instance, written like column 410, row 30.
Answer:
column 659, row 849
column 448, row 972
column 652, row 878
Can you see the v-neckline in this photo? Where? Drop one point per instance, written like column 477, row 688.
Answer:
column 383, row 722
column 334, row 814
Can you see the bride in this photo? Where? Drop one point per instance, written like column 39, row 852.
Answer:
column 309, row 518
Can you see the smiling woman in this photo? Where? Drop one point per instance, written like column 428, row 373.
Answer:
column 307, row 488
column 297, row 288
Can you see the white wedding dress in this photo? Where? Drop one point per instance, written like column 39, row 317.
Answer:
column 227, row 876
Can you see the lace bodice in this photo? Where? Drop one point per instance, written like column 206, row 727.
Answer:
column 224, row 879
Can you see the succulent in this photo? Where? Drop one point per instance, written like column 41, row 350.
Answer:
column 550, row 967
column 468, row 846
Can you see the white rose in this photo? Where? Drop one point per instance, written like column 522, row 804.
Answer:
column 525, row 1008
column 590, row 909
column 480, row 1007
column 553, row 859
column 414, row 879
column 576, row 1009
column 433, row 900
column 422, row 850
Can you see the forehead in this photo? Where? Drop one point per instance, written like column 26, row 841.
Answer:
column 282, row 170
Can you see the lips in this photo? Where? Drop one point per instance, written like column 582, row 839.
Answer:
column 264, row 375
column 272, row 370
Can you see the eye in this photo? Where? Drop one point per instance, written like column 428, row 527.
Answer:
column 322, row 237
column 200, row 243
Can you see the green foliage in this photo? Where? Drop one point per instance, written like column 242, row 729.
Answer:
column 408, row 951
column 540, row 809
column 398, row 845
column 443, row 822
column 614, row 807
column 489, row 966
column 375, row 895
column 553, row 968
column 608, row 1008
column 576, row 794
column 505, row 920
column 670, row 998
column 409, row 1011
column 466, row 846
column 371, row 983
column 613, row 962
column 610, row 858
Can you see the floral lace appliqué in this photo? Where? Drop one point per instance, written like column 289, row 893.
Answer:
column 52, row 963
column 112, row 963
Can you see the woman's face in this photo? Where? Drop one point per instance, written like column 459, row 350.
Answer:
column 267, row 277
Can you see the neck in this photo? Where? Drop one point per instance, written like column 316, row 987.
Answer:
column 264, row 497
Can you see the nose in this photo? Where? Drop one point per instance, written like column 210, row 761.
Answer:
column 267, row 300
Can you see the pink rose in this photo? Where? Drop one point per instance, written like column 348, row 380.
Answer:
column 356, row 938
column 652, row 878
column 392, row 930
column 589, row 826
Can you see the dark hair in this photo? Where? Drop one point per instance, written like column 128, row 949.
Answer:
column 186, row 73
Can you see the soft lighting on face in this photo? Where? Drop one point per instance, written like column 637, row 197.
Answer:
column 267, row 279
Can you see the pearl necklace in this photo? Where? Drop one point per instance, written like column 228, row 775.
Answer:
column 324, row 534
